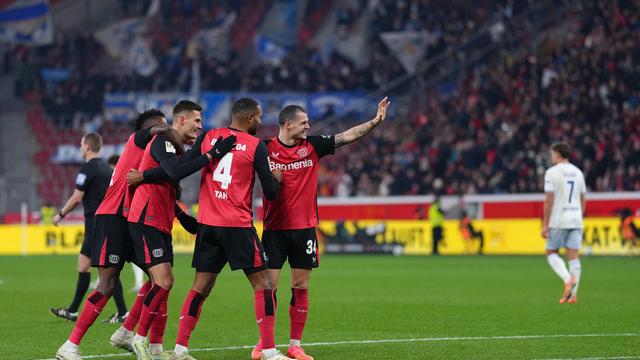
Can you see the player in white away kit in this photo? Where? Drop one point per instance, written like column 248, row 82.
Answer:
column 564, row 206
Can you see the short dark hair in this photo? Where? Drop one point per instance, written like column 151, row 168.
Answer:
column 141, row 120
column 186, row 105
column 113, row 159
column 289, row 113
column 94, row 141
column 244, row 106
column 562, row 148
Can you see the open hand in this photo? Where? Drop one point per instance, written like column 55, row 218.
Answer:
column 382, row 110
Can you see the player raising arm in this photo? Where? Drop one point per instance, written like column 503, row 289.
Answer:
column 291, row 218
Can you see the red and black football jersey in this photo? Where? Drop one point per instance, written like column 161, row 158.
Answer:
column 295, row 207
column 153, row 203
column 226, row 186
column 118, row 197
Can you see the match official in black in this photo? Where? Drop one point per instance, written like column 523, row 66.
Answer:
column 91, row 185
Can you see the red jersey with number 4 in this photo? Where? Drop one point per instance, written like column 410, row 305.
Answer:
column 226, row 186
column 153, row 204
column 118, row 197
column 296, row 206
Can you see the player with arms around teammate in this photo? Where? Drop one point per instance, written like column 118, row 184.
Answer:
column 291, row 218
column 91, row 185
column 564, row 206
column 226, row 232
column 112, row 244
column 152, row 212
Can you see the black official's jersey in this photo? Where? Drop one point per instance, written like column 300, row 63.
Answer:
column 93, row 179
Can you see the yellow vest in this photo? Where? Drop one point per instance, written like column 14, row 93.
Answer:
column 435, row 216
column 194, row 210
column 46, row 214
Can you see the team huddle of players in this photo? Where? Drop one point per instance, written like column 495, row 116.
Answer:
column 134, row 221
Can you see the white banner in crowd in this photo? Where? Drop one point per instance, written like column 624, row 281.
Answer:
column 408, row 46
column 118, row 37
column 352, row 42
column 214, row 42
column 126, row 41
column 141, row 59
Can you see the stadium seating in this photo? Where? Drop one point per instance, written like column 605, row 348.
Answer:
column 487, row 133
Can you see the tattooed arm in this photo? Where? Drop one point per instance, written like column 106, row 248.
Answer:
column 359, row 131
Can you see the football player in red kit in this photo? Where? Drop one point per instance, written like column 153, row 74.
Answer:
column 291, row 218
column 152, row 212
column 226, row 232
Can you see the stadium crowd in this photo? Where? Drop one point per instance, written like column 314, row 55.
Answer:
column 76, row 94
column 490, row 135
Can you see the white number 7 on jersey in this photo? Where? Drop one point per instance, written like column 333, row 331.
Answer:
column 222, row 173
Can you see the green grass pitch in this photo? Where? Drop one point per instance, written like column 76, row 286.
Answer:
column 456, row 308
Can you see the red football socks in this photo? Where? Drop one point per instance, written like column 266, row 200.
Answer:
column 152, row 302
column 298, row 311
column 134, row 314
column 264, row 306
column 159, row 323
column 189, row 316
column 92, row 308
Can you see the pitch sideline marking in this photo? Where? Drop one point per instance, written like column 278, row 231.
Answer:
column 599, row 358
column 390, row 341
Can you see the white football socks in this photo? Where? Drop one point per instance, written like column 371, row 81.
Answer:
column 558, row 265
column 575, row 268
column 69, row 345
column 294, row 343
column 155, row 349
column 269, row 352
column 125, row 331
column 181, row 350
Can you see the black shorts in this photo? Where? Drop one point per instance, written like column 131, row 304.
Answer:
column 112, row 245
column 300, row 246
column 217, row 245
column 151, row 246
column 436, row 233
column 89, row 236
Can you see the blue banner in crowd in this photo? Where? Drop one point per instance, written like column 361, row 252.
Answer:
column 123, row 107
column 71, row 154
column 27, row 22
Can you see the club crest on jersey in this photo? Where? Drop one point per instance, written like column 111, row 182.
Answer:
column 114, row 259
column 169, row 147
column 302, row 152
column 157, row 253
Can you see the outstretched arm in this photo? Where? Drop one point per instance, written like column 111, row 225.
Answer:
column 359, row 131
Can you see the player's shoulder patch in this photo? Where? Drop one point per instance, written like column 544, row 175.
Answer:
column 81, row 178
column 169, row 147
